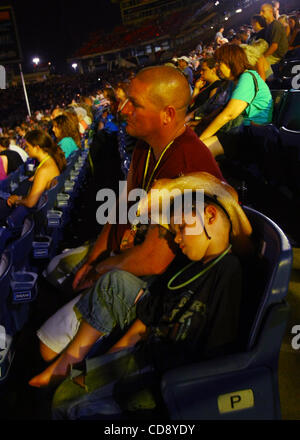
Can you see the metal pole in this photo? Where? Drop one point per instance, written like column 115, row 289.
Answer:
column 25, row 91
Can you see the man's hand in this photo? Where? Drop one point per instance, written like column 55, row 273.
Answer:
column 92, row 275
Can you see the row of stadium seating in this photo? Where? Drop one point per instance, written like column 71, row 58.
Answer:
column 28, row 240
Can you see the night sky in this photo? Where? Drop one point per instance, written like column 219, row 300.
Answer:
column 54, row 30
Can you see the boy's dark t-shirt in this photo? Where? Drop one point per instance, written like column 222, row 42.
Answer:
column 197, row 321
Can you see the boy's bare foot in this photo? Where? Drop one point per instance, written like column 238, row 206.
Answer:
column 54, row 374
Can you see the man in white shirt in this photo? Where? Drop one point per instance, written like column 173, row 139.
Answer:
column 14, row 147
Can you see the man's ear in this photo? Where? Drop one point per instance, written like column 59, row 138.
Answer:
column 211, row 213
column 168, row 114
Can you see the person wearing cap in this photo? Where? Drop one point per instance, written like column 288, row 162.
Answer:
column 219, row 38
column 188, row 314
column 183, row 64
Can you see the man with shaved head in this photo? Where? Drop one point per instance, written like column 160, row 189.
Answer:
column 157, row 100
column 275, row 36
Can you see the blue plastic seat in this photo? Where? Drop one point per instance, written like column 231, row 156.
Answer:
column 5, row 236
column 22, row 246
column 290, row 145
column 16, row 219
column 242, row 385
column 289, row 115
column 5, row 272
column 279, row 97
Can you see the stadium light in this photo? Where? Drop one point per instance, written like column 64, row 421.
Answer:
column 36, row 60
column 238, row 11
column 74, row 65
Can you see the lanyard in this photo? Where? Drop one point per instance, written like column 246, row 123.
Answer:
column 199, row 274
column 146, row 187
column 43, row 161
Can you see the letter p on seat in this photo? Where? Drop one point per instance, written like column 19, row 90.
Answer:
column 235, row 401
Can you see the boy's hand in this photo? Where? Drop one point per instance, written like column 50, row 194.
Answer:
column 13, row 200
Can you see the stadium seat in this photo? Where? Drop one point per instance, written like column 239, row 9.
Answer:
column 289, row 115
column 5, row 272
column 5, row 236
column 285, row 68
column 16, row 219
column 290, row 145
column 242, row 385
column 278, row 99
column 23, row 282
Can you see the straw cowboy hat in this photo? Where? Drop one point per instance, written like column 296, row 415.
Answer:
column 218, row 191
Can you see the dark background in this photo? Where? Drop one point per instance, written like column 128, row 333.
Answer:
column 54, row 30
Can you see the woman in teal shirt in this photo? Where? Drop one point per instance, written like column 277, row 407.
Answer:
column 67, row 134
column 251, row 98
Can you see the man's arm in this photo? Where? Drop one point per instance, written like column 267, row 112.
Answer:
column 152, row 257
column 272, row 48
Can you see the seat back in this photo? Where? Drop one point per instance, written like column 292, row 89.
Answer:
column 22, row 246
column 290, row 146
column 286, row 68
column 266, row 276
column 15, row 220
column 278, row 96
column 242, row 385
column 40, row 214
column 5, row 236
column 5, row 271
column 52, row 193
column 289, row 115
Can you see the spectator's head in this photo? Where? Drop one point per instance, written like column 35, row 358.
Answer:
column 158, row 98
column 258, row 23
column 294, row 22
column 209, row 70
column 4, row 143
column 284, row 19
column 276, row 6
column 201, row 229
column 221, row 30
column 56, row 112
column 183, row 62
column 38, row 140
column 86, row 100
column 20, row 131
column 120, row 92
column 109, row 94
column 64, row 126
column 232, row 61
column 244, row 35
column 267, row 12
